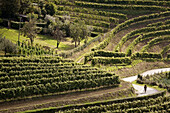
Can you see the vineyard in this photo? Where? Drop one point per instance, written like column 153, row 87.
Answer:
column 70, row 56
column 154, row 103
column 23, row 77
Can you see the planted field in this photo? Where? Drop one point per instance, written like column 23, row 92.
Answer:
column 22, row 77
column 126, row 37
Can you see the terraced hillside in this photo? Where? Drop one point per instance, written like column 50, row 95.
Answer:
column 147, row 34
column 137, row 17
column 128, row 38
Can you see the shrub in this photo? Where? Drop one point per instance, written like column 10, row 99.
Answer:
column 146, row 55
column 107, row 60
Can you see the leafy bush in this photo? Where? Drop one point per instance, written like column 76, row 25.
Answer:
column 101, row 53
column 7, row 46
column 146, row 55
column 107, row 60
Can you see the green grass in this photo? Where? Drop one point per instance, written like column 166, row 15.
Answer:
column 44, row 40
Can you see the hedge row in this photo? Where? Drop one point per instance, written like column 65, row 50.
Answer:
column 19, row 75
column 155, row 41
column 87, row 21
column 90, row 11
column 107, row 60
column 138, row 106
column 168, row 56
column 134, row 101
column 99, row 29
column 5, row 77
column 46, row 70
column 118, row 6
column 52, row 67
column 90, row 16
column 62, row 2
column 15, row 64
column 138, row 32
column 101, row 53
column 159, row 23
column 130, row 2
column 97, row 23
column 119, row 27
column 54, row 78
column 33, row 59
column 144, row 37
column 92, row 22
column 144, row 55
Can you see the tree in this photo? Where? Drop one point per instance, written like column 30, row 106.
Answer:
column 50, row 8
column 0, row 16
column 58, row 35
column 25, row 6
column 10, row 8
column 7, row 46
column 29, row 30
column 85, row 31
column 56, row 28
column 79, row 31
column 66, row 25
column 75, row 32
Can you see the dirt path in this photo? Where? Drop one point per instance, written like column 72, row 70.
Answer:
column 140, row 89
column 80, row 59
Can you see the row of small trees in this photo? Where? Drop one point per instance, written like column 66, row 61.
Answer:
column 62, row 27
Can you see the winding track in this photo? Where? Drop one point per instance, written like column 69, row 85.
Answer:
column 140, row 89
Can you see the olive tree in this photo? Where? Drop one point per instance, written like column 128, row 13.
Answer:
column 29, row 30
column 75, row 32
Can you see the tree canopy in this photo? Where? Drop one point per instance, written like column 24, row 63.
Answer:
column 10, row 8
column 29, row 30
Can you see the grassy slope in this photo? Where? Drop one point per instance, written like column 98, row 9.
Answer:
column 44, row 40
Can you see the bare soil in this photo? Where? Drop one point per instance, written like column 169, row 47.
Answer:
column 157, row 48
